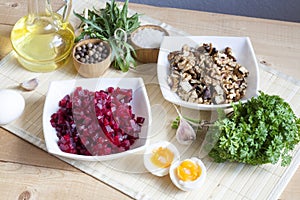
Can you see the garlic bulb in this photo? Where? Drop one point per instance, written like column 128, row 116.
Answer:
column 30, row 85
column 185, row 133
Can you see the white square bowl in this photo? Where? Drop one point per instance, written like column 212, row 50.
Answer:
column 140, row 107
column 241, row 47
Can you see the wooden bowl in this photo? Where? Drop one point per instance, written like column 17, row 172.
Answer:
column 92, row 70
column 147, row 53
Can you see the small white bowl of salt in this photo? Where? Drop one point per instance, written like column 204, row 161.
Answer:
column 146, row 41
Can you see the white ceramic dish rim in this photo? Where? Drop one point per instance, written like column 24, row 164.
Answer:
column 172, row 43
column 66, row 87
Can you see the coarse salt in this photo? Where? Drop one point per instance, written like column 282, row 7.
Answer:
column 148, row 38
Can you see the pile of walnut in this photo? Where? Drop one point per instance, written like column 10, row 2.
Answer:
column 206, row 76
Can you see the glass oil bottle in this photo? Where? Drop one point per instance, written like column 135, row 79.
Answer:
column 43, row 40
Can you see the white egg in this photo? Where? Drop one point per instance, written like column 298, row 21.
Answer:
column 12, row 105
column 159, row 156
column 193, row 170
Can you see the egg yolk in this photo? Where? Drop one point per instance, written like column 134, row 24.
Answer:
column 188, row 171
column 162, row 157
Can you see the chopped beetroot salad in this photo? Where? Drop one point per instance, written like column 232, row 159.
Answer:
column 96, row 123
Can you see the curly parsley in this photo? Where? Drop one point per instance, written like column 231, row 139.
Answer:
column 262, row 130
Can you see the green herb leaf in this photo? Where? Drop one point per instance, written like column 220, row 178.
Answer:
column 263, row 130
column 103, row 23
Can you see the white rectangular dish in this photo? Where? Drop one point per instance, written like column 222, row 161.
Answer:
column 59, row 89
column 241, row 47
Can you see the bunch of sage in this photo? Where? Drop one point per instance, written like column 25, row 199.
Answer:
column 111, row 24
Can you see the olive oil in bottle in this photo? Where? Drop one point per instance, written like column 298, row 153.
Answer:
column 42, row 41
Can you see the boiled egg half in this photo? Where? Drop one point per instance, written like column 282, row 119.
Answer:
column 159, row 156
column 188, row 174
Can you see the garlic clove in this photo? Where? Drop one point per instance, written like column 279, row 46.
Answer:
column 185, row 133
column 30, row 85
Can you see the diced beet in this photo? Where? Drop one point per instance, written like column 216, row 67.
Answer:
column 140, row 120
column 110, row 89
column 96, row 123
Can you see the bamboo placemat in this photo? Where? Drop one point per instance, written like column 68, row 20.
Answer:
column 224, row 181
